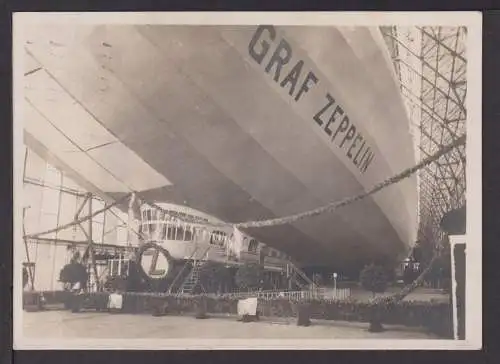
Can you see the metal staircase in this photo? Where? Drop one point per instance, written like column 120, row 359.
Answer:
column 300, row 278
column 192, row 279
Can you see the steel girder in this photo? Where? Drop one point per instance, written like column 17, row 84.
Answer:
column 430, row 64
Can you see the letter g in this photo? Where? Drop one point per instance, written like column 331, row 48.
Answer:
column 259, row 56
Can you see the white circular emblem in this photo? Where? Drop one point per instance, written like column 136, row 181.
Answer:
column 154, row 263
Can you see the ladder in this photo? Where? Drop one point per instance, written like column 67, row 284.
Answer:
column 192, row 279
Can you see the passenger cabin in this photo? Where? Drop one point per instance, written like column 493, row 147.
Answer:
column 189, row 235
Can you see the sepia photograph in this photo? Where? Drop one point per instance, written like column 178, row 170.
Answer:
column 258, row 180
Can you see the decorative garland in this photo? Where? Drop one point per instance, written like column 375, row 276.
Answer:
column 338, row 204
column 293, row 218
column 287, row 219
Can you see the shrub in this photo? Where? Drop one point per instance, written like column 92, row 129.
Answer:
column 89, row 301
column 215, row 277
column 374, row 278
column 249, row 276
column 434, row 316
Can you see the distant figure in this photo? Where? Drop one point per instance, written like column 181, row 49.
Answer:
column 25, row 277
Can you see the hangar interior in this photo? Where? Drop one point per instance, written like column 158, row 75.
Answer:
column 429, row 64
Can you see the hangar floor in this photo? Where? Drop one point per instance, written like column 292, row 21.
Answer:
column 91, row 325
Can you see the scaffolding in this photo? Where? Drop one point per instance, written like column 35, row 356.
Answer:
column 430, row 64
column 71, row 219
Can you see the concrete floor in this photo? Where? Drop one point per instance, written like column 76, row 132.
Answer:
column 90, row 325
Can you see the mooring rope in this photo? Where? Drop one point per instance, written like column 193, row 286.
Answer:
column 287, row 219
column 405, row 291
column 293, row 218
column 346, row 201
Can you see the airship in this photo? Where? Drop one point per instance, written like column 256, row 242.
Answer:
column 241, row 122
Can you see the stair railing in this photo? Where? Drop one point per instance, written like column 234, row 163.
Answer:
column 295, row 271
column 195, row 268
column 181, row 271
column 204, row 256
column 192, row 279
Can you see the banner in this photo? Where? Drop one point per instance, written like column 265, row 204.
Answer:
column 115, row 301
column 247, row 307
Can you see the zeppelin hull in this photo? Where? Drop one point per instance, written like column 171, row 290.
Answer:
column 243, row 123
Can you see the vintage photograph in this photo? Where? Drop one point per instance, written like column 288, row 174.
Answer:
column 250, row 181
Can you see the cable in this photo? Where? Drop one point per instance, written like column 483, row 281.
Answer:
column 80, row 220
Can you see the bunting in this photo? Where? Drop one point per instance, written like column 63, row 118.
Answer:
column 348, row 200
column 292, row 218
